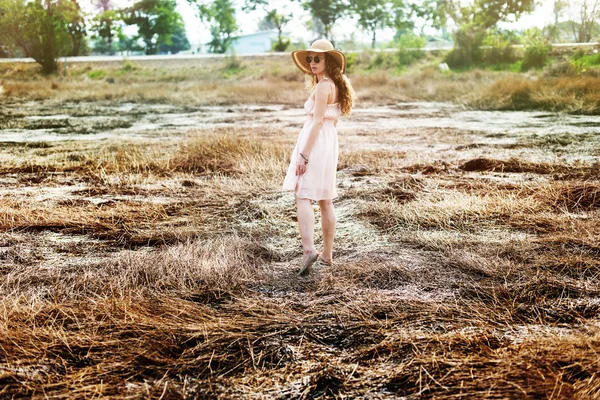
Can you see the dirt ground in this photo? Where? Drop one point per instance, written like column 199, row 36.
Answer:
column 147, row 251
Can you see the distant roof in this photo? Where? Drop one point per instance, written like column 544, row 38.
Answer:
column 272, row 31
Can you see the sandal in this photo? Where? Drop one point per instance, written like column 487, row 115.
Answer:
column 307, row 267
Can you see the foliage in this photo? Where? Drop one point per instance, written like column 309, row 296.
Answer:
column 373, row 15
column 97, row 74
column 39, row 28
column 273, row 20
column 326, row 12
column 584, row 14
column 233, row 65
column 467, row 48
column 106, row 26
column 220, row 15
column 281, row 44
column 179, row 42
column 279, row 20
column 435, row 12
column 382, row 60
column 129, row 66
column 410, row 49
column 77, row 30
column 485, row 14
column 350, row 60
column 127, row 43
column 559, row 7
column 475, row 19
column 589, row 59
column 579, row 66
column 156, row 21
column 498, row 48
column 101, row 46
column 537, row 49
column 5, row 51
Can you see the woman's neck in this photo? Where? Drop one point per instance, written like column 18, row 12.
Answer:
column 321, row 77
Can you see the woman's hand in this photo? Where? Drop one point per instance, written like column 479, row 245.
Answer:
column 300, row 166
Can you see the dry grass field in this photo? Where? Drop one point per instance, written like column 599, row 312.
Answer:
column 466, row 262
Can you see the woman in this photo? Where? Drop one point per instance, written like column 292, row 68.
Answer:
column 311, row 174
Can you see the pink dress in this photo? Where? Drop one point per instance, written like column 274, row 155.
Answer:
column 318, row 182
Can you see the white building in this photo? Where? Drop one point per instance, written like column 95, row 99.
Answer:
column 258, row 42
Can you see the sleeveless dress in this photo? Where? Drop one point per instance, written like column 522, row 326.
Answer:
column 318, row 182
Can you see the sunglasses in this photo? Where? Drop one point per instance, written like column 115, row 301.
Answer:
column 310, row 59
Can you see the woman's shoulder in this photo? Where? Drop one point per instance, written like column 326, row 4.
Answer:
column 325, row 81
column 324, row 86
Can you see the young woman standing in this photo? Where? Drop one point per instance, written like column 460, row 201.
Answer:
column 311, row 174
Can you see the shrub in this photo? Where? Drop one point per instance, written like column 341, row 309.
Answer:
column 579, row 53
column 360, row 60
column 129, row 66
column 281, row 44
column 410, row 49
column 233, row 64
column 467, row 50
column 536, row 50
column 498, row 48
column 382, row 60
column 563, row 68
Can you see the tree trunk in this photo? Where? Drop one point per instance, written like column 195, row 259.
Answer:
column 49, row 65
column 373, row 39
column 46, row 56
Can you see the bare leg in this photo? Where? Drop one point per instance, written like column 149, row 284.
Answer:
column 306, row 222
column 328, row 224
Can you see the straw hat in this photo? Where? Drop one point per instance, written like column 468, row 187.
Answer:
column 319, row 46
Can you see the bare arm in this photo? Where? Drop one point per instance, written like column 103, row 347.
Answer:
column 321, row 96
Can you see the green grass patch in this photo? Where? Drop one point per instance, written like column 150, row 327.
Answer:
column 97, row 74
column 589, row 59
column 233, row 66
column 510, row 67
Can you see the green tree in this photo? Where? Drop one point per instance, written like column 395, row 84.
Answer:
column 156, row 21
column 40, row 28
column 77, row 30
column 4, row 52
column 280, row 21
column 373, row 15
column 559, row 8
column 179, row 42
column 474, row 19
column 127, row 43
column 106, row 27
column 583, row 16
column 326, row 11
column 220, row 16
column 536, row 49
column 273, row 20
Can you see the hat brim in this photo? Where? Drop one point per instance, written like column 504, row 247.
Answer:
column 299, row 57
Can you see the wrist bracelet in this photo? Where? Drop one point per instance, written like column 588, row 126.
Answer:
column 303, row 156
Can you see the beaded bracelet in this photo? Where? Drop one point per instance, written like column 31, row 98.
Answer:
column 303, row 156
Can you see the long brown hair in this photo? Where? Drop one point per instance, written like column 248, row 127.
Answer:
column 345, row 91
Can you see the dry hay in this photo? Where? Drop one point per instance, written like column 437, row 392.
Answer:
column 577, row 196
column 444, row 284
column 511, row 165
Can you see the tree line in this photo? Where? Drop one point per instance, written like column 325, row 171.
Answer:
column 47, row 29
